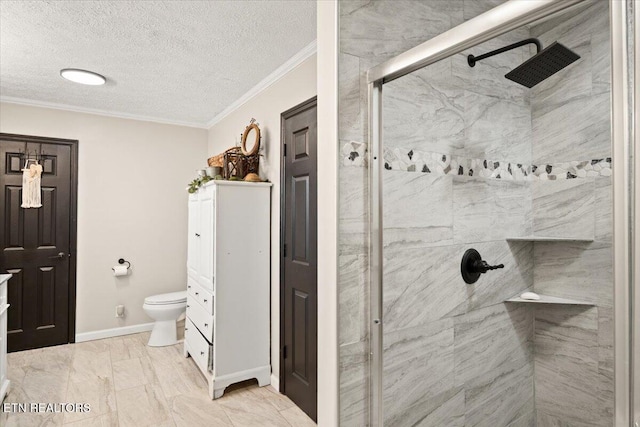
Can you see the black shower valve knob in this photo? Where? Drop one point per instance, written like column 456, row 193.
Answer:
column 473, row 266
column 482, row 266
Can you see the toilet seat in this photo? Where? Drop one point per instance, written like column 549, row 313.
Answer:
column 166, row 299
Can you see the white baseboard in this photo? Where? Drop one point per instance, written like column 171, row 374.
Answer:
column 275, row 382
column 114, row 332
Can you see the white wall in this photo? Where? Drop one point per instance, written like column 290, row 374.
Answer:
column 295, row 87
column 328, row 388
column 132, row 204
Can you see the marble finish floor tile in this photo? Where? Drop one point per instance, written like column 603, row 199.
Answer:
column 132, row 373
column 127, row 383
column 106, row 420
column 99, row 394
column 296, row 417
column 249, row 409
column 127, row 347
column 143, row 406
column 195, row 409
column 90, row 366
column 33, row 420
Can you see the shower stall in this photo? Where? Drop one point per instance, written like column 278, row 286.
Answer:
column 495, row 272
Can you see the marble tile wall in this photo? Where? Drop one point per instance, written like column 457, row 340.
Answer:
column 564, row 208
column 579, row 96
column 570, row 117
column 436, row 327
column 444, row 340
column 370, row 32
column 454, row 109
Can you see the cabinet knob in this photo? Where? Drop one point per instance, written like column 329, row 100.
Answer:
column 186, row 329
column 188, row 305
column 197, row 293
column 206, row 325
column 188, row 286
column 197, row 235
column 202, row 353
column 205, row 300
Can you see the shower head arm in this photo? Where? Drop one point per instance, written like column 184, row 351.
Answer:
column 473, row 59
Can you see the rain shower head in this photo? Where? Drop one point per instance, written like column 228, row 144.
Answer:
column 539, row 67
column 542, row 65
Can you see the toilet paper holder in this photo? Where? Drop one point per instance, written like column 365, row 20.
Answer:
column 122, row 261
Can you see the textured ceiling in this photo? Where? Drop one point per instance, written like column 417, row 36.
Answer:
column 179, row 61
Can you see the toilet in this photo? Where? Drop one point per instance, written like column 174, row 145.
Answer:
column 165, row 310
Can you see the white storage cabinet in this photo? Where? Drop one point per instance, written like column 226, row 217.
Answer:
column 228, row 264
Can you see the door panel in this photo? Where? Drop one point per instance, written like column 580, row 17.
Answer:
column 16, row 299
column 192, row 239
column 47, row 218
column 299, row 265
column 14, row 218
column 46, row 297
column 206, row 238
column 300, row 219
column 36, row 245
column 300, row 339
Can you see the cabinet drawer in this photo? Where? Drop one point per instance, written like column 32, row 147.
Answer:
column 203, row 296
column 192, row 287
column 199, row 349
column 200, row 318
column 206, row 299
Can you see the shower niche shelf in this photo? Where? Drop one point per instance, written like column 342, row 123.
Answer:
column 546, row 299
column 547, row 239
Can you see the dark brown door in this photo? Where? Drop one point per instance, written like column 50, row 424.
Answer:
column 37, row 243
column 299, row 312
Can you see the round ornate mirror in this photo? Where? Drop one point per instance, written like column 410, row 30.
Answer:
column 251, row 140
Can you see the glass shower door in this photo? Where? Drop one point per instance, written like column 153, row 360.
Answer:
column 522, row 176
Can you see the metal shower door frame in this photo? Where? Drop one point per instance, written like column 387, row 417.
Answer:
column 499, row 20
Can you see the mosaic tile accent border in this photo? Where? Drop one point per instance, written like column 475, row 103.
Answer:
column 354, row 153
column 446, row 164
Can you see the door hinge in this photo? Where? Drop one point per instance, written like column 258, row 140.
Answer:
column 284, row 352
column 285, row 150
column 284, row 250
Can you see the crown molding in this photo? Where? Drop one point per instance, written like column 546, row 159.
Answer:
column 280, row 72
column 276, row 75
column 119, row 115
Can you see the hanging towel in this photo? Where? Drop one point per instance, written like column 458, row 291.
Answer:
column 31, row 177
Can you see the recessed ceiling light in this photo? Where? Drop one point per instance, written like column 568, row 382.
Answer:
column 82, row 76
